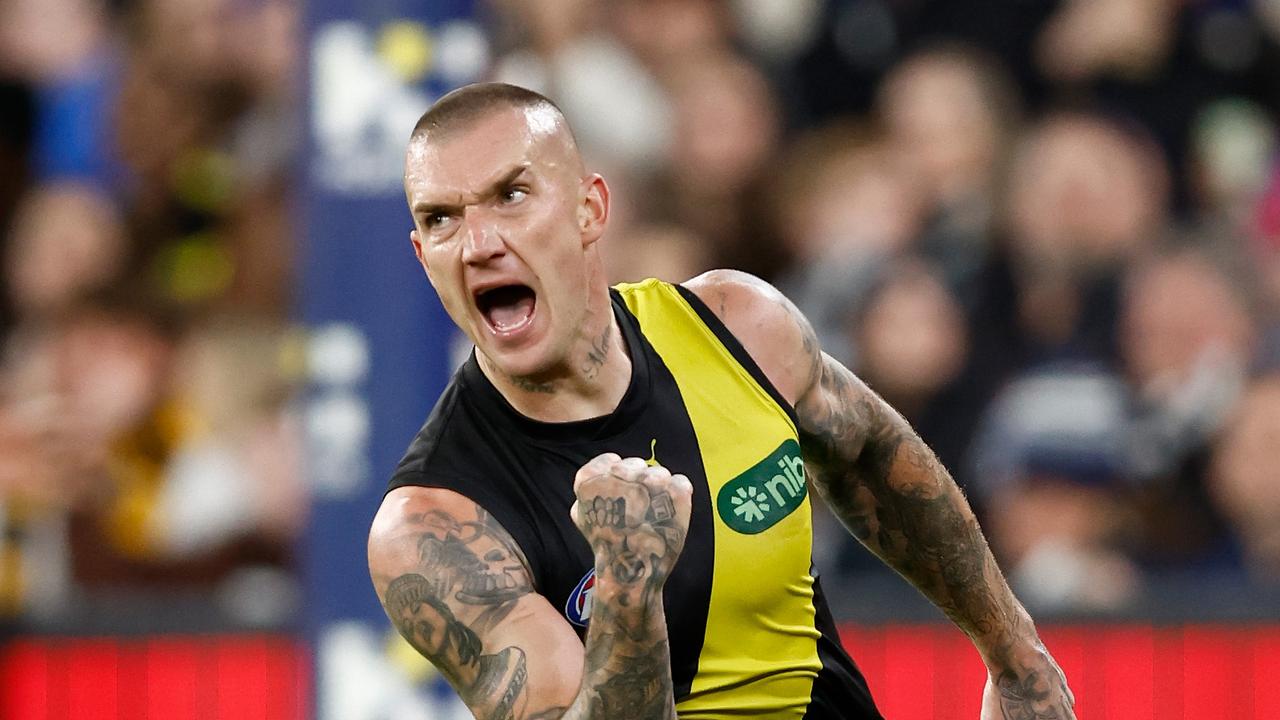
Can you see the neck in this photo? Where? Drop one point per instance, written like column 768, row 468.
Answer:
column 590, row 383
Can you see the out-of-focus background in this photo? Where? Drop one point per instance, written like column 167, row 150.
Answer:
column 1047, row 232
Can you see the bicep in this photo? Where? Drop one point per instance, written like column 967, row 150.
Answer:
column 850, row 438
column 839, row 415
column 456, row 586
column 870, row 466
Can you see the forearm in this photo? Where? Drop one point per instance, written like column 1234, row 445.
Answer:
column 635, row 519
column 627, row 673
column 900, row 502
column 889, row 489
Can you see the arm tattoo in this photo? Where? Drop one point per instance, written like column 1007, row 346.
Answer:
column 628, row 667
column 894, row 495
column 628, row 662
column 471, row 575
column 889, row 489
column 475, row 564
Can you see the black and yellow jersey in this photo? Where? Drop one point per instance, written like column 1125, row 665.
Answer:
column 750, row 632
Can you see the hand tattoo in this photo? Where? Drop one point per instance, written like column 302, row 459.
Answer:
column 606, row 512
column 1036, row 696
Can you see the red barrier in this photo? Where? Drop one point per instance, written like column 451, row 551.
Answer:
column 1117, row 672
column 916, row 672
column 166, row 678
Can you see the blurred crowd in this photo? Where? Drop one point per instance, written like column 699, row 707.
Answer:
column 148, row 435
column 1047, row 232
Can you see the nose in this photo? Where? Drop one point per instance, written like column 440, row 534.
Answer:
column 481, row 240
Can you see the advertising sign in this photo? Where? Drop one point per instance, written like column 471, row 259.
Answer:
column 378, row 348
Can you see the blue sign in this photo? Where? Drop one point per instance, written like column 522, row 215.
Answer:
column 379, row 341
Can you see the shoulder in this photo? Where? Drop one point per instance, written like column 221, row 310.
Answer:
column 769, row 326
column 448, row 437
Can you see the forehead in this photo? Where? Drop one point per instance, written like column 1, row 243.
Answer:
column 465, row 160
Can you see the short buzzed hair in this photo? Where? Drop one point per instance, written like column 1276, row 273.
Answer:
column 469, row 103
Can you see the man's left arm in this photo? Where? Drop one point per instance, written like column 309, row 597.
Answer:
column 890, row 491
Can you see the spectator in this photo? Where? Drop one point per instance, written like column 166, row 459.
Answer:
column 100, row 435
column 1049, row 467
column 843, row 208
column 68, row 241
column 1085, row 197
column 913, row 349
column 1186, row 340
column 951, row 114
column 1243, row 481
column 617, row 107
column 912, row 338
column 725, row 132
column 1234, row 143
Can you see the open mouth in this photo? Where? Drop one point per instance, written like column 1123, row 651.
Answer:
column 507, row 308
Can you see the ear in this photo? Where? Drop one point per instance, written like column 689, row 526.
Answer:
column 417, row 247
column 593, row 212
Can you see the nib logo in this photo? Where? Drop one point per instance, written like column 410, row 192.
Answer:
column 767, row 492
column 749, row 504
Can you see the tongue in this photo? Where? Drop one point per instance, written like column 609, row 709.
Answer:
column 505, row 316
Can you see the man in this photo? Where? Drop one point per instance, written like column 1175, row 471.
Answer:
column 528, row 545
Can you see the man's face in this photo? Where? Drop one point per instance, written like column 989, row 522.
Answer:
column 502, row 218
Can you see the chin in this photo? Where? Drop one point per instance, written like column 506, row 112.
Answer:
column 530, row 364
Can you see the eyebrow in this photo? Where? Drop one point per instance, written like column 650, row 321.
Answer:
column 428, row 208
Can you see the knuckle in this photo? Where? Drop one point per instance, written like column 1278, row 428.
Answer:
column 598, row 462
column 660, row 474
column 631, row 466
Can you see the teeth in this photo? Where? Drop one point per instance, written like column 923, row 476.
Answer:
column 486, row 583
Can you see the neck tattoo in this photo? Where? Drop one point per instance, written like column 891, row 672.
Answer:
column 598, row 353
column 528, row 385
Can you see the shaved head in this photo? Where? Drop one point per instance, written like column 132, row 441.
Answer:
column 462, row 108
column 469, row 106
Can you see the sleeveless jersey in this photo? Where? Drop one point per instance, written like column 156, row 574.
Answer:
column 750, row 633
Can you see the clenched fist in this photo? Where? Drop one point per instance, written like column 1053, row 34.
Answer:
column 635, row 517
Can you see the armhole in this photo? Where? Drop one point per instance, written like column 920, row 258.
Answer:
column 517, row 527
column 735, row 348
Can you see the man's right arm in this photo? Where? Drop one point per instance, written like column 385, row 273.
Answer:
column 457, row 587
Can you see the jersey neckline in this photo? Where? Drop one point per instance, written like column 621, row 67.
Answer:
column 629, row 409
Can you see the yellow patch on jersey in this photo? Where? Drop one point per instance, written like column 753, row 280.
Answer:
column 759, row 655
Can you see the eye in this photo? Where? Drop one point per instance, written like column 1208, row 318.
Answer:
column 435, row 220
column 513, row 195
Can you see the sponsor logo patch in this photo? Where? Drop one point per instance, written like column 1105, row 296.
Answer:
column 770, row 490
